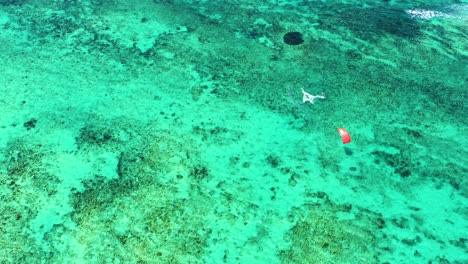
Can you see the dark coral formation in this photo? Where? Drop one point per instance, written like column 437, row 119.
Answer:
column 293, row 38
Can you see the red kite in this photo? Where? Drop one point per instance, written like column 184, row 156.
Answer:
column 344, row 135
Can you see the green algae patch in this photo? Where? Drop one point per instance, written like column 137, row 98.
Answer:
column 150, row 213
column 320, row 236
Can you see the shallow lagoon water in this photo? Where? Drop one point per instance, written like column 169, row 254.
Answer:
column 176, row 132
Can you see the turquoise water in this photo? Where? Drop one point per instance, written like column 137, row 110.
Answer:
column 174, row 131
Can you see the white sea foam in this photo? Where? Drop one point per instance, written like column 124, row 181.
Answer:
column 458, row 11
column 426, row 14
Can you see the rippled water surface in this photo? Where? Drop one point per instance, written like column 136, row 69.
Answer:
column 183, row 131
